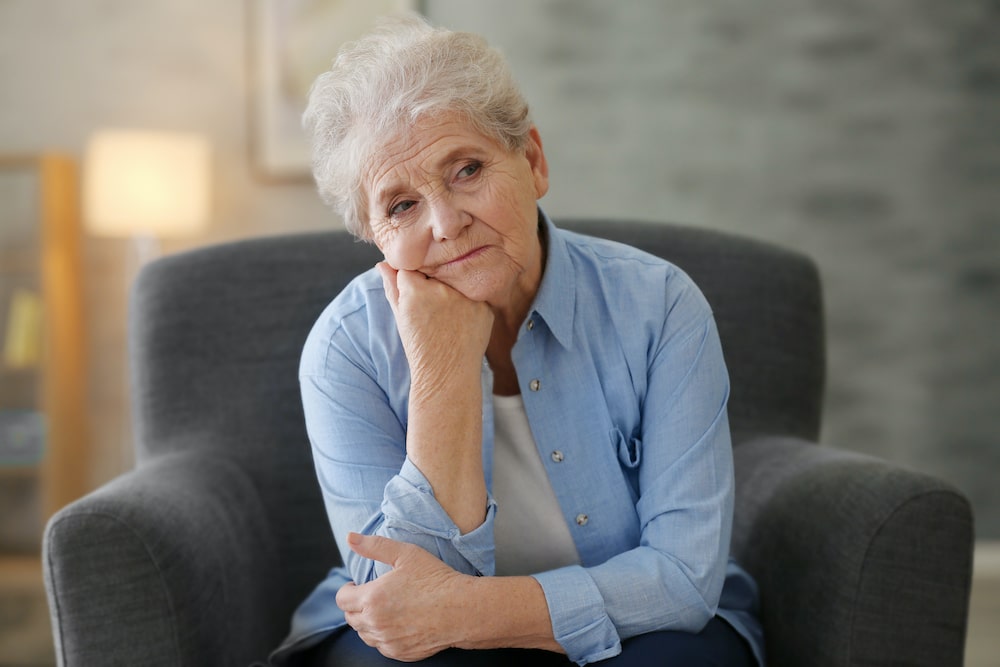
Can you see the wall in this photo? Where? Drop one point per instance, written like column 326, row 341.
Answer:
column 865, row 134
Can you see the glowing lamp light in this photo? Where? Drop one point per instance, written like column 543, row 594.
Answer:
column 144, row 183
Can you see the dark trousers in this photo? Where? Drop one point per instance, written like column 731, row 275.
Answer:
column 717, row 645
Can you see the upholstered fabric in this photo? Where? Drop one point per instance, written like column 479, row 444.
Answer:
column 200, row 554
column 859, row 562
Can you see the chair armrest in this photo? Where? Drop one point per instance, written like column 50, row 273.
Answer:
column 170, row 564
column 859, row 562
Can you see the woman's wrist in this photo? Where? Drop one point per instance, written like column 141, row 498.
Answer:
column 505, row 612
column 446, row 386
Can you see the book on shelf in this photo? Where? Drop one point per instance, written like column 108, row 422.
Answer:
column 22, row 348
column 22, row 437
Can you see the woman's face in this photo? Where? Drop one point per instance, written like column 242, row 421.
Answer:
column 458, row 207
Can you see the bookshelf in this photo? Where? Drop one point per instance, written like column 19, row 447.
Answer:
column 43, row 429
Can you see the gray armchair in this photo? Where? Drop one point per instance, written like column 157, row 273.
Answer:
column 199, row 555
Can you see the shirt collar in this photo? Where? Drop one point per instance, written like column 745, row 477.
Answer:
column 555, row 302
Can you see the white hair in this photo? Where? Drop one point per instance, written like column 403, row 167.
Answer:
column 382, row 84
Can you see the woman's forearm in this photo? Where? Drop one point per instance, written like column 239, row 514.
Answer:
column 444, row 441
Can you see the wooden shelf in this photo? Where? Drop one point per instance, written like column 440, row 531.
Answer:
column 40, row 250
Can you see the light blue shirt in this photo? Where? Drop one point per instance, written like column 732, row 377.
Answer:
column 625, row 388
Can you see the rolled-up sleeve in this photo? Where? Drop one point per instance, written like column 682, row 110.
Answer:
column 580, row 622
column 410, row 513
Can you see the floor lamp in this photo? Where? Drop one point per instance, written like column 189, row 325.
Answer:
column 144, row 186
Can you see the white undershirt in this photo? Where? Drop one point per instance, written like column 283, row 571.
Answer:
column 529, row 530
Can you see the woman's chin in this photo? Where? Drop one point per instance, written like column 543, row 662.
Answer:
column 496, row 284
column 472, row 290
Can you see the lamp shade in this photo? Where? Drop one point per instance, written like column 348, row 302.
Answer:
column 139, row 183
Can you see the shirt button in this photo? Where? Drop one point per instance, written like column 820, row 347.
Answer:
column 531, row 325
column 557, row 456
column 582, row 519
column 535, row 385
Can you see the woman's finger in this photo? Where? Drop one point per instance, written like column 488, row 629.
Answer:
column 347, row 598
column 375, row 547
column 389, row 278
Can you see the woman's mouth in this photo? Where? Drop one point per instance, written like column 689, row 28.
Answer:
column 472, row 254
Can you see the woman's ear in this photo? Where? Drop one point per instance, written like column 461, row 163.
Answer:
column 535, row 155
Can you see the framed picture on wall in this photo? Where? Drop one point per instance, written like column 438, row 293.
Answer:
column 291, row 43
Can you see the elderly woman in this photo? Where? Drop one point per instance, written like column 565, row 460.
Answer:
column 520, row 433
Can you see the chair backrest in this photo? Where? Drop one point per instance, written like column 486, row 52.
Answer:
column 216, row 333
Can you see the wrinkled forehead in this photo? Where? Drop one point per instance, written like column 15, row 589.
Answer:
column 421, row 149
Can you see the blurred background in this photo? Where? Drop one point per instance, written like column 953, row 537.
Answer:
column 865, row 134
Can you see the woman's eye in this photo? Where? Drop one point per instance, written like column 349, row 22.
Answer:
column 402, row 207
column 469, row 170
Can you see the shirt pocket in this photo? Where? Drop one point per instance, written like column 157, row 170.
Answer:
column 629, row 451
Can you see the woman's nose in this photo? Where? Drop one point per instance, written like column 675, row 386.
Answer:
column 448, row 221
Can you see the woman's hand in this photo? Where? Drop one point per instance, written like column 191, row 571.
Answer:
column 411, row 612
column 422, row 606
column 444, row 333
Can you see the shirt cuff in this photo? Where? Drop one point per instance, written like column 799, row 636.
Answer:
column 412, row 514
column 579, row 621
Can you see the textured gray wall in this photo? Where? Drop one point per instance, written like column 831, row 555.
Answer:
column 866, row 134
